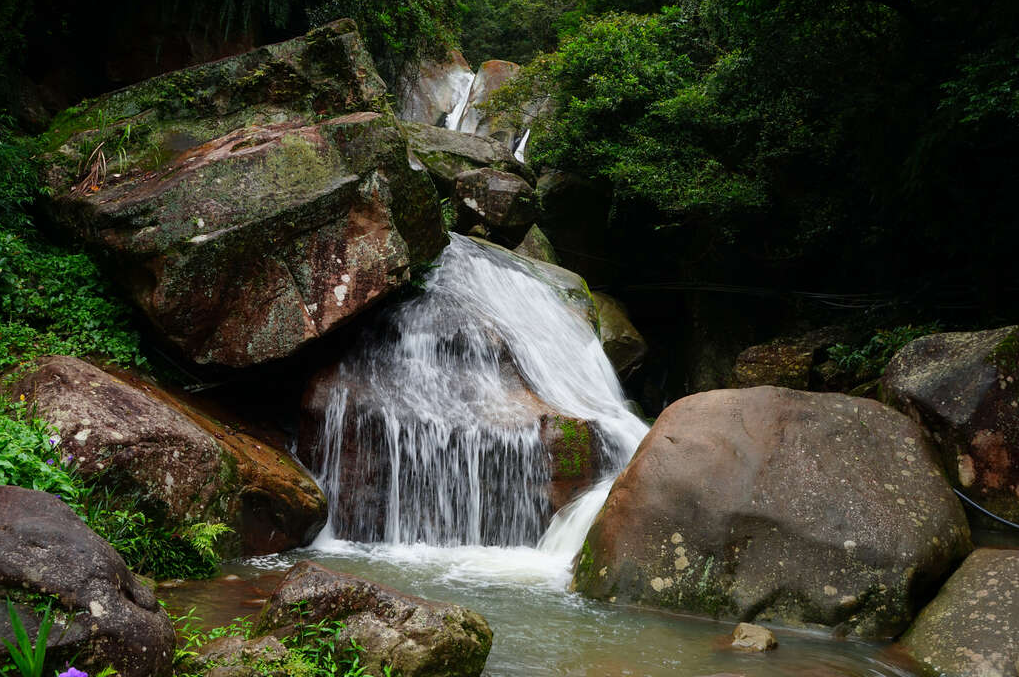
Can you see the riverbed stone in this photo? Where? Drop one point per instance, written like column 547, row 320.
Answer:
column 964, row 388
column 256, row 204
column 970, row 629
column 183, row 466
column 413, row 636
column 105, row 614
column 750, row 637
column 503, row 205
column 769, row 504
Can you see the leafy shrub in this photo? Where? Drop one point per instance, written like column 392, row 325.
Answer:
column 52, row 300
column 30, row 457
column 870, row 359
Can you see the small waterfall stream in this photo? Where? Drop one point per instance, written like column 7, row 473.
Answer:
column 441, row 404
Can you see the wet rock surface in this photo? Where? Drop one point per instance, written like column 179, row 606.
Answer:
column 106, row 615
column 445, row 154
column 242, row 226
column 623, row 344
column 970, row 627
column 773, row 504
column 962, row 386
column 183, row 466
column 413, row 636
column 503, row 205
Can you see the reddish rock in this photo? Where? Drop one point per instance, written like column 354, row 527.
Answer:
column 413, row 636
column 185, row 467
column 963, row 388
column 767, row 504
column 242, row 229
column 106, row 616
column 491, row 76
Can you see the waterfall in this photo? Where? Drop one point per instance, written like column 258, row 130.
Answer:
column 461, row 83
column 431, row 432
column 518, row 152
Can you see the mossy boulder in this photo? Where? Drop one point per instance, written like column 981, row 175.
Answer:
column 183, row 466
column 970, row 629
column 500, row 204
column 251, row 205
column 446, row 154
column 536, row 245
column 796, row 362
column 964, row 388
column 623, row 344
column 768, row 504
column 575, row 454
column 413, row 636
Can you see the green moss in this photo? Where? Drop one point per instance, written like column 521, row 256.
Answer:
column 1005, row 355
column 584, row 564
column 572, row 456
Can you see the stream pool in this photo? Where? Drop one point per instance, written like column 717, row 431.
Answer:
column 540, row 628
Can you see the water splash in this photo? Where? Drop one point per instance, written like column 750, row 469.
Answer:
column 444, row 397
column 461, row 83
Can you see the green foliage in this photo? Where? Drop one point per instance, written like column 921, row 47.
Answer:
column 870, row 359
column 514, row 30
column 397, row 33
column 30, row 457
column 52, row 301
column 28, row 659
column 313, row 650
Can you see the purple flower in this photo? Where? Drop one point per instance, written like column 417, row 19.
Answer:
column 49, row 462
column 73, row 672
column 54, row 441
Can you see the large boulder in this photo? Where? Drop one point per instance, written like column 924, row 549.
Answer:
column 258, row 202
column 445, row 154
column 969, row 630
column 430, row 90
column 789, row 361
column 413, row 636
column 963, row 388
column 623, row 344
column 184, row 467
column 769, row 504
column 536, row 245
column 491, row 76
column 501, row 204
column 105, row 615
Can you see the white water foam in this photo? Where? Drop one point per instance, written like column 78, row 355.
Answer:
column 454, row 432
column 460, row 82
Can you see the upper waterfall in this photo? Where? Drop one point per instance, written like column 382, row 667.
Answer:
column 439, row 406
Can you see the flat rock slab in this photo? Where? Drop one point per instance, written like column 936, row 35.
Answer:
column 413, row 636
column 971, row 629
column 778, row 505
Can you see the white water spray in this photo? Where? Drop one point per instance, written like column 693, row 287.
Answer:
column 441, row 405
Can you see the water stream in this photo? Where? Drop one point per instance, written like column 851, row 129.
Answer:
column 446, row 390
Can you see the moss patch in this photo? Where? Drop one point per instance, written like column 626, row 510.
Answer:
column 572, row 455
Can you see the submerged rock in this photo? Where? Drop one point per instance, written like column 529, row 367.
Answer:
column 258, row 203
column 500, row 203
column 777, row 505
column 413, row 636
column 184, row 467
column 753, row 638
column 970, row 627
column 963, row 388
column 621, row 341
column 106, row 616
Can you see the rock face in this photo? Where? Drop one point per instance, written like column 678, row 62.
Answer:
column 535, row 245
column 185, row 467
column 430, row 91
column 970, row 627
column 623, row 344
column 491, row 76
column 788, row 362
column 576, row 456
column 242, row 226
column 962, row 387
column 500, row 203
column 774, row 504
column 106, row 615
column 445, row 154
column 413, row 636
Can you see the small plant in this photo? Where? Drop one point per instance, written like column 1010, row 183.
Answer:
column 28, row 659
column 871, row 359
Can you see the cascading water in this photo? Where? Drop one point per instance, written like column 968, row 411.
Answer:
column 460, row 82
column 441, row 405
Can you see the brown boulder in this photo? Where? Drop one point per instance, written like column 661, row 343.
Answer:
column 185, row 467
column 500, row 203
column 240, row 227
column 970, row 627
column 445, row 154
column 963, row 388
column 491, row 76
column 787, row 362
column 773, row 504
column 535, row 245
column 105, row 614
column 413, row 636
